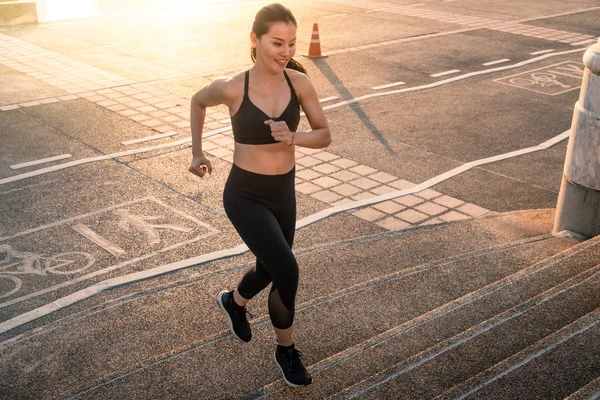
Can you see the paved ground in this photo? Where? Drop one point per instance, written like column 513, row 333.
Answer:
column 94, row 131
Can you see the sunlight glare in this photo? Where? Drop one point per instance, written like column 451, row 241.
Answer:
column 52, row 10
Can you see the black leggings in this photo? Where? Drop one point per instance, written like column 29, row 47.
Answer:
column 262, row 208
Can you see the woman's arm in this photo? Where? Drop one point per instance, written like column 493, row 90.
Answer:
column 214, row 93
column 319, row 136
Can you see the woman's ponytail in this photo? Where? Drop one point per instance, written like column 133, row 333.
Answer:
column 295, row 65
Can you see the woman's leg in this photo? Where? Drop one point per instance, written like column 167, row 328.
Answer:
column 287, row 221
column 260, row 230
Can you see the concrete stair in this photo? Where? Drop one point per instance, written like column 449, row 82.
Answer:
column 489, row 308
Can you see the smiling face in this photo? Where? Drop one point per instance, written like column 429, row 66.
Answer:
column 275, row 48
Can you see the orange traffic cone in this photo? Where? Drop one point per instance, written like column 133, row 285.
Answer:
column 314, row 50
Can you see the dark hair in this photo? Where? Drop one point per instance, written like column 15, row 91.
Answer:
column 266, row 17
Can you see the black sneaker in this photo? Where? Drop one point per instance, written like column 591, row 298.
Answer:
column 290, row 364
column 236, row 316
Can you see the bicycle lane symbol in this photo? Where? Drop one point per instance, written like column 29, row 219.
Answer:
column 102, row 241
column 552, row 80
column 14, row 263
column 539, row 78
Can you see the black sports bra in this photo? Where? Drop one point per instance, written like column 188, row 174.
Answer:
column 248, row 123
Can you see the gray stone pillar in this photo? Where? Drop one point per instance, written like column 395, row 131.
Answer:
column 578, row 208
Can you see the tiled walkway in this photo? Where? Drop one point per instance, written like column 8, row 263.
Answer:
column 322, row 175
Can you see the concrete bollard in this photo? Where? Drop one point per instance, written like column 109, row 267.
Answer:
column 578, row 208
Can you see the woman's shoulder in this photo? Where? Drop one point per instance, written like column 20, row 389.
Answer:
column 299, row 79
column 231, row 86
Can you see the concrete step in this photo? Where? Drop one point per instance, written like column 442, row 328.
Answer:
column 588, row 392
column 499, row 344
column 109, row 351
column 429, row 329
column 220, row 366
column 552, row 368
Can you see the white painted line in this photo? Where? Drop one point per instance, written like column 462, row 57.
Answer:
column 241, row 249
column 389, row 85
column 449, row 80
column 535, row 53
column 326, row 108
column 334, row 16
column 584, row 42
column 487, row 64
column 378, row 9
column 149, row 138
column 107, row 157
column 42, row 161
column 429, row 183
column 576, row 11
column 111, row 45
column 99, row 240
column 326, row 99
column 452, row 71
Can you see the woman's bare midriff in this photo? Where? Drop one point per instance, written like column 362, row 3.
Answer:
column 265, row 159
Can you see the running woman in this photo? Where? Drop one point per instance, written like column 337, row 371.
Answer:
column 259, row 196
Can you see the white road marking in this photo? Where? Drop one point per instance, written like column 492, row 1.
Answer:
column 99, row 240
column 326, row 99
column 487, row 64
column 111, row 45
column 143, row 224
column 211, row 232
column 389, row 85
column 330, row 107
column 241, row 249
column 149, row 138
column 42, row 161
column 449, row 80
column 535, row 53
column 452, row 71
column 584, row 42
column 107, row 157
column 335, row 16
